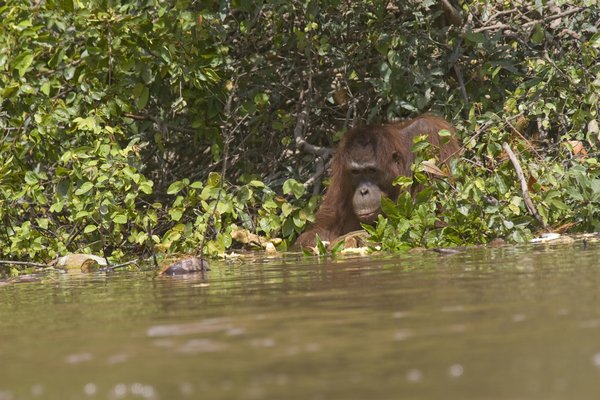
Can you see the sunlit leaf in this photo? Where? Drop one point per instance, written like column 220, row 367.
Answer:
column 22, row 62
column 175, row 187
column 293, row 186
column 90, row 229
column 84, row 188
column 119, row 219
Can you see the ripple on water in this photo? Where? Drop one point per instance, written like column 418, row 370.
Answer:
column 90, row 389
column 456, row 371
column 414, row 375
column 78, row 358
column 136, row 389
column 6, row 395
column 205, row 326
column 194, row 346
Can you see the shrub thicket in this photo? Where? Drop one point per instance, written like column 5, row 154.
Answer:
column 117, row 116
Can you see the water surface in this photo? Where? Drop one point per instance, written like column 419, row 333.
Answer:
column 500, row 323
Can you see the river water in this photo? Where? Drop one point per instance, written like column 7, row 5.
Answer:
column 491, row 323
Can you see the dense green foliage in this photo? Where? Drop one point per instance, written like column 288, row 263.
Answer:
column 117, row 116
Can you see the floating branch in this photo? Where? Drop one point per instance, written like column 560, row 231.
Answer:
column 25, row 263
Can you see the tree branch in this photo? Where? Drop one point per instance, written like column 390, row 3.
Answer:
column 528, row 202
column 453, row 15
column 555, row 16
column 158, row 121
column 549, row 18
column 304, row 106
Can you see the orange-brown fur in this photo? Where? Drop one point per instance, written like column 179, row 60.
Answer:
column 336, row 216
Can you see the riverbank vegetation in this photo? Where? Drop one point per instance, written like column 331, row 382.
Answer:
column 138, row 128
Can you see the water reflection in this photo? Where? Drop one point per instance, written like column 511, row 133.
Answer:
column 483, row 323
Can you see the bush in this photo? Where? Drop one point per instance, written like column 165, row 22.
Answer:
column 117, row 117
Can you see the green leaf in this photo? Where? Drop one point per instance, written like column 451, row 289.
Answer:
column 508, row 224
column 595, row 186
column 62, row 188
column 538, row 33
column 42, row 222
column 256, row 184
column 31, row 178
column 419, row 146
column 389, row 208
column 244, row 195
column 293, row 186
column 322, row 249
column 9, row 90
column 22, row 62
column 57, row 207
column 83, row 189
column 140, row 238
column 214, row 179
column 444, row 133
column 176, row 214
column 175, row 187
column 474, row 37
column 370, row 229
column 146, row 187
column 142, row 100
column 46, row 88
column 82, row 214
column 90, row 228
column 287, row 209
column 67, row 5
column 420, row 177
column 119, row 219
column 86, row 124
column 57, row 58
column 69, row 73
column 339, row 246
column 261, row 99
column 405, row 204
column 288, row 228
column 299, row 222
column 404, row 182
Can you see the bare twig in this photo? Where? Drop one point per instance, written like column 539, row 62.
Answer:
column 228, row 133
column 461, row 83
column 497, row 26
column 110, row 53
column 547, row 19
column 351, row 113
column 152, row 248
column 158, row 121
column 501, row 13
column 315, row 177
column 528, row 202
column 321, row 153
column 304, row 105
column 301, row 142
column 531, row 147
column 116, row 266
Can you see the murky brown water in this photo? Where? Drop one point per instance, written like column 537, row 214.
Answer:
column 508, row 323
